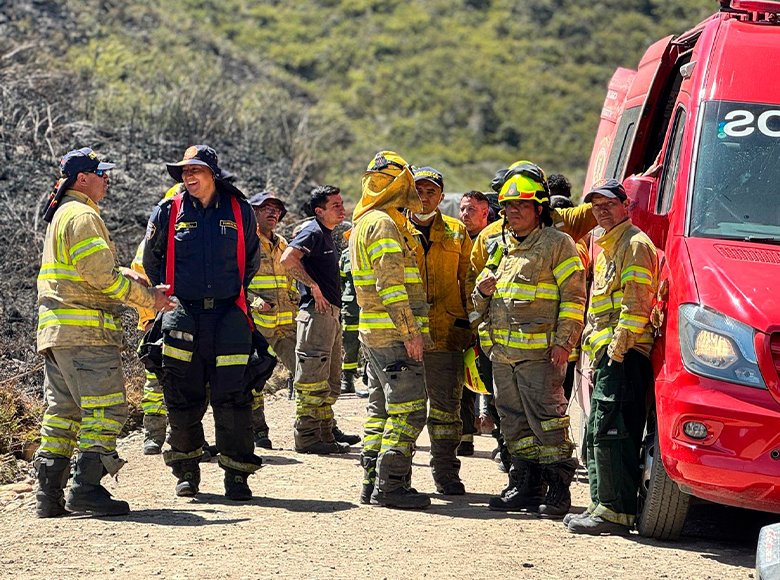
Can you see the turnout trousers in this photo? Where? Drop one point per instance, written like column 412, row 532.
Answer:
column 395, row 414
column 529, row 399
column 208, row 348
column 84, row 390
column 317, row 375
column 444, row 385
column 615, row 427
column 282, row 342
column 349, row 330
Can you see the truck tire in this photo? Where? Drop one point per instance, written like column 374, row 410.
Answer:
column 662, row 506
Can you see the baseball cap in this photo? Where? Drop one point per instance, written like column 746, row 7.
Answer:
column 82, row 160
column 260, row 199
column 430, row 174
column 196, row 155
column 608, row 188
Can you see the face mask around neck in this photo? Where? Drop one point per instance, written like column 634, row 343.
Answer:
column 424, row 217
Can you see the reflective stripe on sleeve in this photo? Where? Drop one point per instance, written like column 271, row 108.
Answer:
column 86, row 248
column 636, row 274
column 382, row 247
column 567, row 268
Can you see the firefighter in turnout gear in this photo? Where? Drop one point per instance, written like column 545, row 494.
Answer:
column 443, row 248
column 533, row 306
column 350, row 313
column 274, row 300
column 204, row 244
column 80, row 291
column 618, row 339
column 393, row 328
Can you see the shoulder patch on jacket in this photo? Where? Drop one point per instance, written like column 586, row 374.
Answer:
column 151, row 229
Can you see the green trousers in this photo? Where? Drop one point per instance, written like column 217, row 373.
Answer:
column 615, row 427
column 444, row 386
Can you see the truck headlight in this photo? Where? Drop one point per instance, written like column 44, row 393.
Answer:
column 717, row 346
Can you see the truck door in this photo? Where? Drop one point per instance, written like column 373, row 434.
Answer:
column 610, row 114
column 650, row 101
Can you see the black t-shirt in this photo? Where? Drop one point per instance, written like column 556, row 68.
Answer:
column 321, row 262
column 426, row 235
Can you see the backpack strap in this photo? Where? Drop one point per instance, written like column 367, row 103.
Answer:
column 241, row 257
column 170, row 253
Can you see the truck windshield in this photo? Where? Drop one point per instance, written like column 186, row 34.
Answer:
column 736, row 190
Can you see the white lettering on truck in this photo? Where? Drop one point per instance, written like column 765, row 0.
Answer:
column 741, row 123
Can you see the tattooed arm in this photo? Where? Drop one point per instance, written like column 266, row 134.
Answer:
column 291, row 261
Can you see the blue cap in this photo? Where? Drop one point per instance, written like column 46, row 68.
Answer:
column 82, row 160
column 260, row 199
column 429, row 173
column 608, row 188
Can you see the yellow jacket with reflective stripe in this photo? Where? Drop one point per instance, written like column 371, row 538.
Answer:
column 387, row 281
column 80, row 286
column 145, row 315
column 625, row 278
column 539, row 299
column 272, row 286
column 575, row 221
column 443, row 270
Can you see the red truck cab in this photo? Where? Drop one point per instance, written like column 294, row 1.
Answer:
column 697, row 145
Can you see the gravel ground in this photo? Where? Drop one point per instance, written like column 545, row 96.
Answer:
column 305, row 522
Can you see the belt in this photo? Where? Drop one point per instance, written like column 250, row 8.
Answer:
column 208, row 303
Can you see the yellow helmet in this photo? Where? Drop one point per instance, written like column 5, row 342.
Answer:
column 524, row 181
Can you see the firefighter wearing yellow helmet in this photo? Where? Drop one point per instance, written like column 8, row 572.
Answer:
column 532, row 305
column 393, row 327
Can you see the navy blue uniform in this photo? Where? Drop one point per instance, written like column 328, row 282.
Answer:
column 206, row 240
column 207, row 339
column 321, row 262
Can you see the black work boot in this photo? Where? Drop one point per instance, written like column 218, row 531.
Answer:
column 403, row 497
column 188, row 474
column 596, row 526
column 465, row 449
column 347, row 382
column 450, row 484
column 527, row 492
column 154, row 433
column 320, row 448
column 369, row 478
column 558, row 477
column 262, row 440
column 348, row 438
column 236, row 487
column 86, row 494
column 53, row 473
column 570, row 517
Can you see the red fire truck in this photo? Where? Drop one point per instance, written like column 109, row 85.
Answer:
column 694, row 134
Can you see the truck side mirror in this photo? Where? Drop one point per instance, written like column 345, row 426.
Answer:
column 640, row 195
column 641, row 209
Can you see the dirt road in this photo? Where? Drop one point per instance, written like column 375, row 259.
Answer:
column 305, row 522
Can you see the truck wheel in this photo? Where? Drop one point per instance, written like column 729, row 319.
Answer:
column 662, row 506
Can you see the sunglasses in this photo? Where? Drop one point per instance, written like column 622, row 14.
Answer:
column 98, row 172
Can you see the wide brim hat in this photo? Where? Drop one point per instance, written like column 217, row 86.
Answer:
column 196, row 155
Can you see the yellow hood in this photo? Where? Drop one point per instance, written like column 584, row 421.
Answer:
column 388, row 187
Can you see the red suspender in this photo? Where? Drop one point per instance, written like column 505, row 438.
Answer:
column 241, row 257
column 170, row 253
